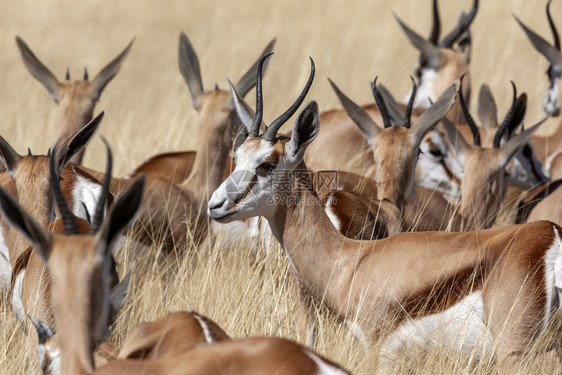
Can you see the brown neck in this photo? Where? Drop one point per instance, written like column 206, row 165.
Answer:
column 208, row 168
column 75, row 361
column 303, row 228
column 543, row 146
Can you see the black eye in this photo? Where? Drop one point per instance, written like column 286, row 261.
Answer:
column 264, row 168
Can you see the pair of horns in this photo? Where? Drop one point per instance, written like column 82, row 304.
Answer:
column 67, row 75
column 69, row 222
column 509, row 123
column 271, row 131
column 384, row 109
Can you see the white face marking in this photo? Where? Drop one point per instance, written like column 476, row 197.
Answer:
column 324, row 368
column 553, row 276
column 551, row 101
column 329, row 208
column 17, row 302
column 431, row 169
column 459, row 327
column 5, row 267
column 425, row 90
column 52, row 355
column 85, row 193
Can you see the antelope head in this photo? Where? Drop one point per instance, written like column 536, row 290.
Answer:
column 265, row 161
column 30, row 175
column 215, row 107
column 396, row 147
column 76, row 99
column 484, row 169
column 551, row 102
column 80, row 267
column 442, row 61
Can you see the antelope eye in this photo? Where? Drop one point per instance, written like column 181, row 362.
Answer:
column 265, row 168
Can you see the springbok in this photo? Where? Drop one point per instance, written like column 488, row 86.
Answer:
column 546, row 145
column 27, row 178
column 502, row 282
column 340, row 145
column 76, row 99
column 172, row 199
column 173, row 333
column 83, row 275
column 31, row 281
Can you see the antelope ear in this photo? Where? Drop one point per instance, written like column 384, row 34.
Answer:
column 511, row 147
column 487, row 111
column 248, row 80
column 431, row 116
column 364, row 122
column 44, row 331
column 189, row 68
column 243, row 110
column 456, row 138
column 9, row 156
column 77, row 142
column 542, row 46
column 122, row 215
column 26, row 225
column 38, row 70
column 108, row 72
column 119, row 293
column 304, row 131
column 428, row 50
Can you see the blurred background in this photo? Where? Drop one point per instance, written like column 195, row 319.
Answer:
column 147, row 107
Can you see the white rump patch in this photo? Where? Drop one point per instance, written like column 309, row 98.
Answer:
column 324, row 368
column 329, row 208
column 17, row 302
column 461, row 328
column 206, row 329
column 86, row 194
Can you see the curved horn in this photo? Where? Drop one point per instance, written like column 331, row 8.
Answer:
column 67, row 75
column 410, row 106
column 468, row 117
column 506, row 121
column 464, row 23
column 555, row 35
column 85, row 74
column 380, row 103
column 436, row 30
column 98, row 215
column 272, row 130
column 429, row 51
column 68, row 220
column 255, row 129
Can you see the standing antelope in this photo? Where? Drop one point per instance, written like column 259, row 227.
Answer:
column 339, row 144
column 504, row 281
column 27, row 178
column 76, row 99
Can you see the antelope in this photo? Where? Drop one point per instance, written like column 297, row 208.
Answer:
column 83, row 325
column 545, row 146
column 82, row 276
column 171, row 200
column 27, row 178
column 76, row 99
column 339, row 142
column 173, row 333
column 48, row 350
column 31, row 281
column 503, row 280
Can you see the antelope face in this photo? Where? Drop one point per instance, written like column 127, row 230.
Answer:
column 551, row 101
column 76, row 101
column 261, row 168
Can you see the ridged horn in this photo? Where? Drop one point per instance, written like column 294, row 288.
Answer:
column 68, row 220
column 506, row 121
column 98, row 215
column 464, row 23
column 381, row 105
column 468, row 117
column 255, row 129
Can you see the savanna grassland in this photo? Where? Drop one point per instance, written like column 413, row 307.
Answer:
column 247, row 291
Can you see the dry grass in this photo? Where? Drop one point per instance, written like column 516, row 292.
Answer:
column 149, row 111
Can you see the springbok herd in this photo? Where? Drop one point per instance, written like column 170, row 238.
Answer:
column 387, row 213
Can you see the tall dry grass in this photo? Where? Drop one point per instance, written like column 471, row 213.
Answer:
column 149, row 111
